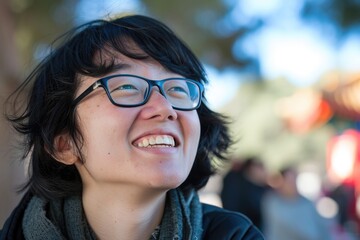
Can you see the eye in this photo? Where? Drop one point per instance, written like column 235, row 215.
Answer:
column 178, row 92
column 125, row 90
column 178, row 89
column 125, row 87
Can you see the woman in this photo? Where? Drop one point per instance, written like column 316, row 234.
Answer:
column 120, row 140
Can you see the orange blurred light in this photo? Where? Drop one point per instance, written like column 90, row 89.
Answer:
column 304, row 110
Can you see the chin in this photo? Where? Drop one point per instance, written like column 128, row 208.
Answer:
column 169, row 181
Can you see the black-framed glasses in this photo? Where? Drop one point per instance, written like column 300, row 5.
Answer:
column 126, row 90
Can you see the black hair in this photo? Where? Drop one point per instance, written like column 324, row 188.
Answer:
column 49, row 110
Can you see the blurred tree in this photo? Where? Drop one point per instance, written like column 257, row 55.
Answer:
column 37, row 23
column 259, row 130
column 9, row 58
column 205, row 26
column 338, row 16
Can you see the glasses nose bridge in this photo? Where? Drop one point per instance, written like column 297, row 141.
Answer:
column 158, row 84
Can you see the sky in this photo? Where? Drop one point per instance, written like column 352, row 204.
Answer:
column 307, row 53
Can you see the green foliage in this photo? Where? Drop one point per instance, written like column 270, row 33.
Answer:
column 260, row 131
column 39, row 22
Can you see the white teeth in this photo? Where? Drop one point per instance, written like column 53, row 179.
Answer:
column 159, row 140
column 145, row 142
column 172, row 141
column 167, row 140
column 152, row 141
column 163, row 140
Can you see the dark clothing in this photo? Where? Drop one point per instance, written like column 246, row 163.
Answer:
column 217, row 224
column 344, row 195
column 241, row 195
column 12, row 228
column 221, row 224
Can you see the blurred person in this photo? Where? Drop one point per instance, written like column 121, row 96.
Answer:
column 347, row 219
column 289, row 215
column 120, row 139
column 244, row 187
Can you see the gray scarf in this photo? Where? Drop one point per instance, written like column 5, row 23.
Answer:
column 65, row 219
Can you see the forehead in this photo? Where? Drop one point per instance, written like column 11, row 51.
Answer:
column 109, row 54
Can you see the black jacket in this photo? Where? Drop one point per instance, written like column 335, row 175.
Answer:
column 218, row 224
column 221, row 224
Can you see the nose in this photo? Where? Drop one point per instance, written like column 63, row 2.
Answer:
column 158, row 107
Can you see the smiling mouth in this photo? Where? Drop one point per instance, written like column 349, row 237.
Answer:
column 157, row 141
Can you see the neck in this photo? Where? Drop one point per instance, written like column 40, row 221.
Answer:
column 123, row 213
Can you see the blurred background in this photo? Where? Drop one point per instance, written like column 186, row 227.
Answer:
column 286, row 72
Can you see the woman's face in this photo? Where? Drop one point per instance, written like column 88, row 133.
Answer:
column 115, row 137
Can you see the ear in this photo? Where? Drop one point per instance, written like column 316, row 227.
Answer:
column 65, row 151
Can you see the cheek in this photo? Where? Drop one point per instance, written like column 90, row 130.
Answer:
column 193, row 132
column 104, row 130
